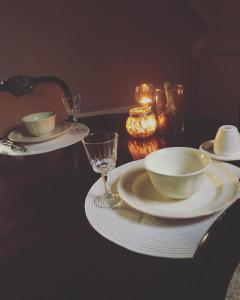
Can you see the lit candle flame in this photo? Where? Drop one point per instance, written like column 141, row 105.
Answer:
column 145, row 101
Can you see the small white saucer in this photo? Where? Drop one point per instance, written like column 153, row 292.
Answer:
column 21, row 135
column 219, row 189
column 207, row 147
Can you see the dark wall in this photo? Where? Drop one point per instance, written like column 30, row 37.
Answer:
column 102, row 48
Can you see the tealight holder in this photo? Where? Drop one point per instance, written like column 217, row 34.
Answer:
column 141, row 122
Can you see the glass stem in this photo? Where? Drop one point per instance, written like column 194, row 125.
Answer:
column 75, row 121
column 105, row 178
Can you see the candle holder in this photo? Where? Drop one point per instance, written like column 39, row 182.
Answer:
column 141, row 122
column 144, row 94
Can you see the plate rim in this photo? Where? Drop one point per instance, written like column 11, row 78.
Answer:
column 35, row 139
column 232, row 157
column 165, row 214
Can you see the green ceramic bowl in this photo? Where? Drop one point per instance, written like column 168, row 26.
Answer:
column 40, row 124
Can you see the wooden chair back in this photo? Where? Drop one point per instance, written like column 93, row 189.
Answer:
column 23, row 95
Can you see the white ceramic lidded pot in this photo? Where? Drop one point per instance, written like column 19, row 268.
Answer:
column 227, row 140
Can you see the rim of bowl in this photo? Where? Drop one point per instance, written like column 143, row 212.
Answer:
column 51, row 115
column 179, row 175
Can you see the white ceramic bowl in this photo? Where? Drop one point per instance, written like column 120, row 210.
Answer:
column 40, row 124
column 227, row 140
column 177, row 172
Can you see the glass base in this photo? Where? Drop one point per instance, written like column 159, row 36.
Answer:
column 107, row 201
column 76, row 129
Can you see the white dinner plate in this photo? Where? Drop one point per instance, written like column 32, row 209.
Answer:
column 219, row 190
column 21, row 134
column 207, row 147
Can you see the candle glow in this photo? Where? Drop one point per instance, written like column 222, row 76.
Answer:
column 145, row 101
column 139, row 149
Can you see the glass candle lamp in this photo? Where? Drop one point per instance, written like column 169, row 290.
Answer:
column 141, row 122
column 144, row 94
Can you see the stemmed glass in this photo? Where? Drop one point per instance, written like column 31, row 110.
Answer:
column 73, row 108
column 101, row 149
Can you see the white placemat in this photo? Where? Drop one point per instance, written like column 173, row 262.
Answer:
column 65, row 140
column 141, row 232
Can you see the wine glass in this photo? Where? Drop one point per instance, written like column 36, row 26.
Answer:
column 73, row 108
column 101, row 149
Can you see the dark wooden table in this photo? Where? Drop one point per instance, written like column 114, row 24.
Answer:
column 48, row 250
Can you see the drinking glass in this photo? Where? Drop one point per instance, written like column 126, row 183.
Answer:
column 170, row 107
column 73, row 108
column 101, row 149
